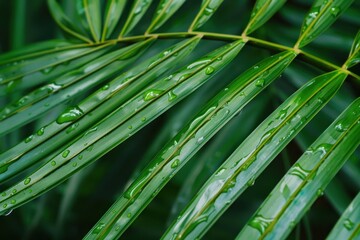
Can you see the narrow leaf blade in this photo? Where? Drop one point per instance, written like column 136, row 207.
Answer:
column 348, row 223
column 307, row 179
column 354, row 57
column 263, row 11
column 114, row 9
column 321, row 15
column 137, row 11
column 164, row 11
column 246, row 163
column 208, row 8
column 64, row 22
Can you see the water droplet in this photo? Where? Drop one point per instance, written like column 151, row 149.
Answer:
column 74, row 164
column 323, row 149
column 129, row 215
column 260, row 82
column 13, row 191
column 256, row 67
column 3, row 194
column 229, row 185
column 70, row 115
column 200, row 139
column 335, row 11
column 4, row 168
column 251, row 182
column 319, row 192
column 13, row 201
column 298, row 171
column 171, row 96
column 47, row 70
column 40, row 131
column 27, row 181
column 260, row 223
column 340, row 128
column 220, row 171
column 151, row 94
column 130, row 127
column 209, row 70
column 175, row 164
column 53, row 163
column 143, row 119
column 105, row 87
column 65, row 153
column 5, row 205
column 98, row 228
column 72, row 127
column 7, row 213
column 348, row 224
column 208, row 11
column 198, row 63
column 91, row 130
column 80, row 156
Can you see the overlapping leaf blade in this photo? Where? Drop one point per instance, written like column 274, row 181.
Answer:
column 307, row 179
column 80, row 80
column 32, row 72
column 137, row 11
column 64, row 22
column 115, row 128
column 354, row 57
column 321, row 15
column 263, row 11
column 203, row 67
column 164, row 11
column 208, row 8
column 106, row 99
column 347, row 227
column 247, row 162
column 92, row 11
column 114, row 9
column 182, row 147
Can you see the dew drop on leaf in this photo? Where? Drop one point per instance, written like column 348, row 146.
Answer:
column 151, row 94
column 65, row 153
column 175, row 164
column 98, row 228
column 27, row 181
column 348, row 224
column 260, row 223
column 69, row 115
column 209, row 70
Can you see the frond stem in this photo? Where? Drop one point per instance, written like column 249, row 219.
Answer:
column 323, row 64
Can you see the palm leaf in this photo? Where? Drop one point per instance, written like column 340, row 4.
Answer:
column 173, row 109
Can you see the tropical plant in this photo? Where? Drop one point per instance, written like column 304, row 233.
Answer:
column 165, row 112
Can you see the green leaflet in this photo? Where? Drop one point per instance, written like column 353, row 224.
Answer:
column 307, row 179
column 347, row 227
column 115, row 128
column 64, row 22
column 37, row 49
column 114, row 9
column 263, row 11
column 106, row 99
column 321, row 15
column 137, row 11
column 215, row 153
column 92, row 11
column 208, row 8
column 182, row 147
column 64, row 81
column 241, row 169
column 164, row 11
column 44, row 64
column 191, row 76
column 354, row 57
